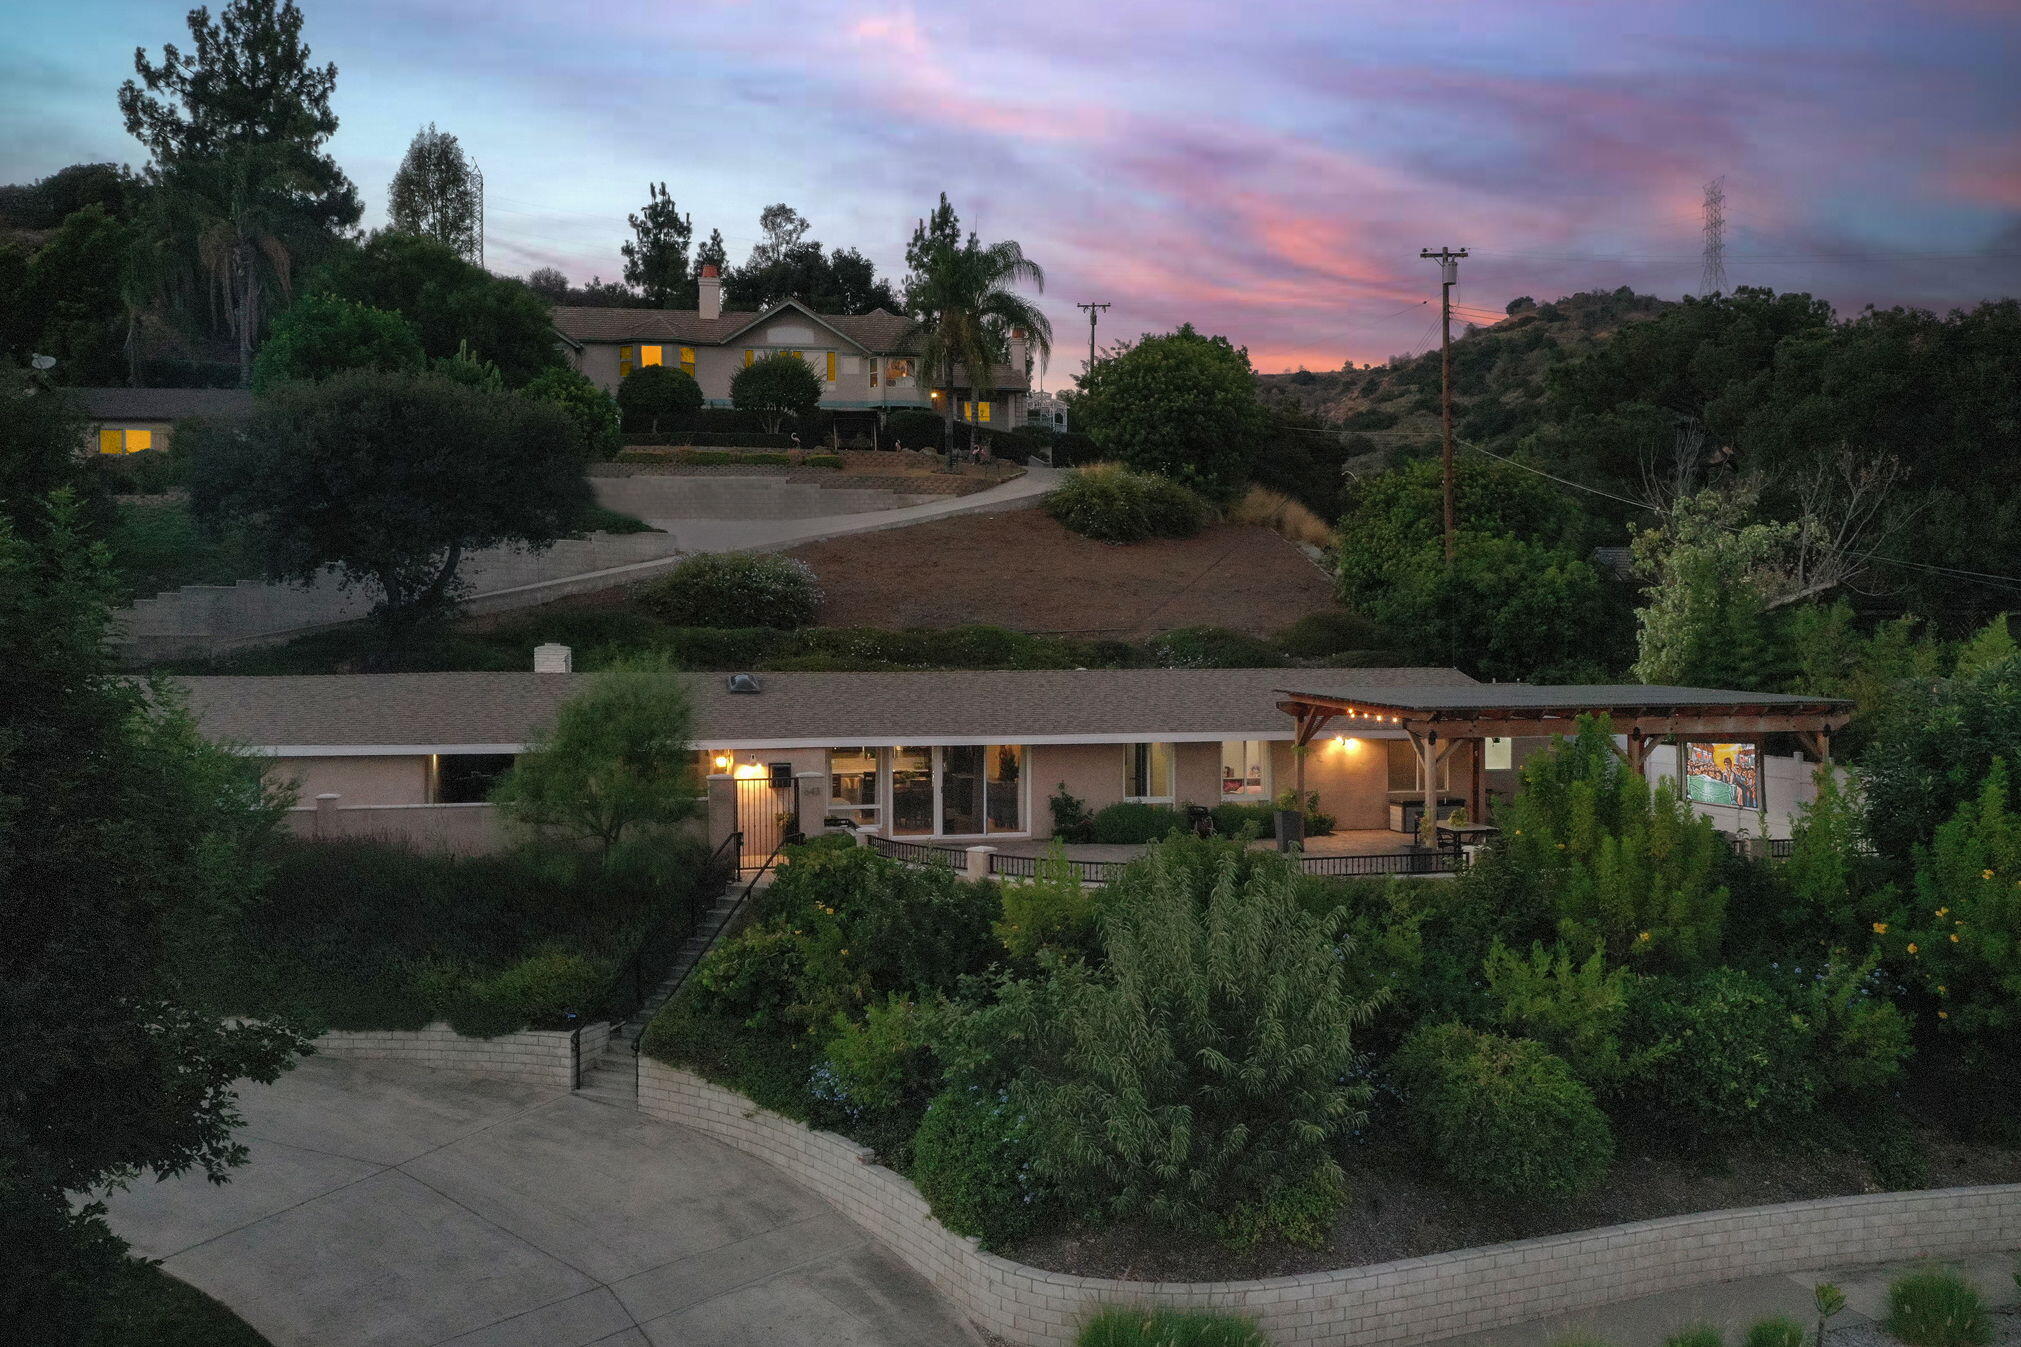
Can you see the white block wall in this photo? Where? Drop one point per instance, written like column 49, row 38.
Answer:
column 1412, row 1300
column 535, row 1056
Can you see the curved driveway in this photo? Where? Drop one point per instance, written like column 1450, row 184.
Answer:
column 397, row 1204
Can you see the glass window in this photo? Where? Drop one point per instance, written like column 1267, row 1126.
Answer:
column 749, row 356
column 982, row 411
column 911, row 791
column 651, row 355
column 897, row 370
column 852, row 776
column 688, row 361
column 831, row 367
column 1147, row 771
column 1499, row 755
column 1245, row 768
column 961, row 784
column 624, row 361
column 467, row 778
column 1005, row 788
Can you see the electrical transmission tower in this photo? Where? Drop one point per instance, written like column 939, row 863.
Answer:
column 1713, row 280
column 478, row 174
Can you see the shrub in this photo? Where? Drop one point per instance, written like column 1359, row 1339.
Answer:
column 914, row 429
column 1330, row 631
column 1211, row 648
column 1052, row 911
column 1282, row 515
column 321, row 335
column 1937, row 1308
column 972, row 1161
column 1738, row 1062
column 1112, row 504
column 1776, row 1332
column 1698, row 1335
column 1502, row 1115
column 594, row 412
column 1169, row 1328
column 1071, row 820
column 1148, row 1098
column 654, row 394
column 1130, row 823
column 1962, row 944
column 776, row 387
column 877, row 1074
column 1232, row 820
column 1574, row 1008
column 542, row 988
column 735, row 589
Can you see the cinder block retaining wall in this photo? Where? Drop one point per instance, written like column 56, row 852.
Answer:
column 536, row 1056
column 1413, row 1300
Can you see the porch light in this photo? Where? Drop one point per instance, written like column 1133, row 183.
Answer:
column 723, row 761
column 750, row 771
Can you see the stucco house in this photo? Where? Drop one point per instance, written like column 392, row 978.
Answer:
column 129, row 420
column 866, row 362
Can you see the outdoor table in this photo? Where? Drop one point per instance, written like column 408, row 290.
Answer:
column 1457, row 835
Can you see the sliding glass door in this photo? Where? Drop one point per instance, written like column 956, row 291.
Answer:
column 912, row 792
column 957, row 790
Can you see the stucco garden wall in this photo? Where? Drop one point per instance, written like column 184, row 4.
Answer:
column 1412, row 1300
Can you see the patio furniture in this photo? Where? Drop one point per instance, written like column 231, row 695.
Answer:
column 1456, row 836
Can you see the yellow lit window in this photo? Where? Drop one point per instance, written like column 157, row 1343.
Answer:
column 651, row 355
column 115, row 441
column 688, row 361
column 748, row 355
column 898, row 369
column 624, row 361
column 873, row 371
column 831, row 367
column 983, row 411
column 968, row 411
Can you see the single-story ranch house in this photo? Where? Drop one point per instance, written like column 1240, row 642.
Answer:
column 866, row 362
column 972, row 757
column 128, row 420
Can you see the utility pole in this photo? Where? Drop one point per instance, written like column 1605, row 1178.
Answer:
column 1449, row 276
column 1091, row 308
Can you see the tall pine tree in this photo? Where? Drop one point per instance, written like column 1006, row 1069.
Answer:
column 435, row 193
column 656, row 261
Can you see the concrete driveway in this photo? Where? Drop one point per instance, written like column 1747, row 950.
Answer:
column 395, row 1204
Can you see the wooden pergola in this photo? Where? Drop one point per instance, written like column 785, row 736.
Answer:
column 1439, row 718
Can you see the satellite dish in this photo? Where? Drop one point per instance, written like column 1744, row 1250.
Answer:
column 43, row 361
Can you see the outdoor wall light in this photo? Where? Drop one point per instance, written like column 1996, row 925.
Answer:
column 722, row 762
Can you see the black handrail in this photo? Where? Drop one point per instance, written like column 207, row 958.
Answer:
column 736, row 908
column 628, row 989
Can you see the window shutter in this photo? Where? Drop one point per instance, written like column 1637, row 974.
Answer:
column 831, row 367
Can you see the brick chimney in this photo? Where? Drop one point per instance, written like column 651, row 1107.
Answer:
column 711, row 292
column 553, row 658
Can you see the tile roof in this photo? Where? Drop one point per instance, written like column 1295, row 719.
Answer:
column 163, row 404
column 340, row 711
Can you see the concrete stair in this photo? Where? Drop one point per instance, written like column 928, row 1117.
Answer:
column 614, row 1077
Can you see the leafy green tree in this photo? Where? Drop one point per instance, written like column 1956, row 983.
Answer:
column 1520, row 599
column 655, row 393
column 1633, row 867
column 235, row 129
column 1181, row 404
column 1206, row 1075
column 615, row 772
column 594, row 411
column 434, row 193
column 775, row 387
column 712, row 253
column 1713, row 580
column 391, row 478
column 964, row 308
column 321, row 335
column 1933, row 752
column 450, row 302
column 41, row 429
column 73, row 297
column 939, row 232
column 126, row 842
column 1961, row 944
column 656, row 261
column 550, row 283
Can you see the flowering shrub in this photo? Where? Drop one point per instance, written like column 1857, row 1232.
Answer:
column 1962, row 943
column 735, row 589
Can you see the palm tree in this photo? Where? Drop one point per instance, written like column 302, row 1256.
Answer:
column 231, row 214
column 964, row 310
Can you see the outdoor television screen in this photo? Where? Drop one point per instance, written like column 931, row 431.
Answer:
column 1727, row 774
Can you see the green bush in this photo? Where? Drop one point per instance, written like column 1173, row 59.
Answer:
column 1330, row 631
column 1502, row 1115
column 594, row 412
column 913, row 429
column 1937, row 1308
column 1071, row 820
column 1169, row 1328
column 1737, row 1062
column 1232, row 820
column 1130, row 823
column 1698, row 1335
column 1776, row 1332
column 776, row 388
column 1573, row 1007
column 1053, row 911
column 972, row 1161
column 1112, row 504
column 883, row 1061
column 1211, row 648
column 734, row 589
column 541, row 988
column 654, row 395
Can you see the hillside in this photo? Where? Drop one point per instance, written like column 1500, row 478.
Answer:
column 1391, row 411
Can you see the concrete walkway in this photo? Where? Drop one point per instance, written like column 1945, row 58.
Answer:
column 1735, row 1306
column 392, row 1204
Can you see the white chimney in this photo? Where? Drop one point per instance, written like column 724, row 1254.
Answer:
column 552, row 658
column 711, row 292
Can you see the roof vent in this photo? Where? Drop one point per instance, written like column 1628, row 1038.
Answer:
column 553, row 658
column 744, row 683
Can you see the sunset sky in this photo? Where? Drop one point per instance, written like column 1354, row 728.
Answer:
column 1265, row 170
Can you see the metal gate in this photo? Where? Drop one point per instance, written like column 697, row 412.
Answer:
column 765, row 815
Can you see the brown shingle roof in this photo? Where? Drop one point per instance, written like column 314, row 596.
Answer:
column 339, row 711
column 880, row 331
column 163, row 404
